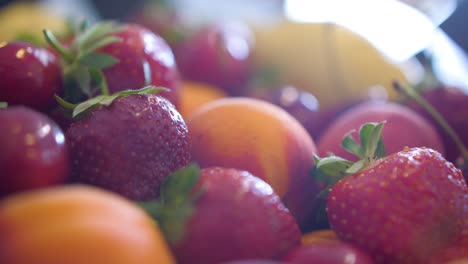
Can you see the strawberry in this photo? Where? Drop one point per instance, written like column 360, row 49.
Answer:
column 403, row 208
column 30, row 75
column 128, row 142
column 218, row 53
column 34, row 152
column 219, row 214
column 109, row 57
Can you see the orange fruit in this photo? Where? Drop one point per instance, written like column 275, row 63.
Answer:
column 78, row 224
column 259, row 137
column 195, row 94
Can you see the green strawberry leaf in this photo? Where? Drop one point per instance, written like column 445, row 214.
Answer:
column 98, row 79
column 53, row 41
column 100, row 43
column 106, row 100
column 97, row 60
column 96, row 32
column 331, row 169
column 350, row 145
column 3, row 104
column 82, row 76
column 176, row 203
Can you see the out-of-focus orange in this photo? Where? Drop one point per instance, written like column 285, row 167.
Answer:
column 195, row 94
column 78, row 224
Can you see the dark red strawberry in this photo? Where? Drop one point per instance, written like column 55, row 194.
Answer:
column 109, row 57
column 404, row 208
column 142, row 49
column 219, row 54
column 29, row 75
column 34, row 153
column 219, row 214
column 128, row 143
column 328, row 252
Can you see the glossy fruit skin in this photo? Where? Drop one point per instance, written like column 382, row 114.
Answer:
column 336, row 252
column 34, row 151
column 78, row 224
column 238, row 216
column 404, row 208
column 403, row 127
column 30, row 75
column 452, row 104
column 218, row 54
column 130, row 146
column 140, row 46
column 259, row 137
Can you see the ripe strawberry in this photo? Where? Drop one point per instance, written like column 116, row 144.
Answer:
column 404, row 208
column 30, row 75
column 109, row 57
column 219, row 54
column 34, row 153
column 128, row 145
column 219, row 214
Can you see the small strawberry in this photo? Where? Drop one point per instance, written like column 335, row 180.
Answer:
column 30, row 75
column 34, row 153
column 128, row 142
column 404, row 208
column 219, row 214
column 109, row 57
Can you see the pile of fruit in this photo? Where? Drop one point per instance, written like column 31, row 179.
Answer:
column 146, row 141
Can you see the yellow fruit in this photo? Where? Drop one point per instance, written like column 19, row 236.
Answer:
column 28, row 19
column 332, row 62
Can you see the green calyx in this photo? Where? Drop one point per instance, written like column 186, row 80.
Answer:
column 331, row 169
column 104, row 100
column 82, row 63
column 3, row 105
column 176, row 203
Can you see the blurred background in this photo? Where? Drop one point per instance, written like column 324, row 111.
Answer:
column 413, row 34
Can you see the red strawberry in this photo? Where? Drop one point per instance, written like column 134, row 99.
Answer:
column 404, row 208
column 30, row 75
column 129, row 145
column 111, row 57
column 219, row 214
column 34, row 153
column 140, row 47
column 219, row 54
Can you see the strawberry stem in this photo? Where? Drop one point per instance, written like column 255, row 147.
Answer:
column 176, row 204
column 52, row 40
column 64, row 103
column 413, row 94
